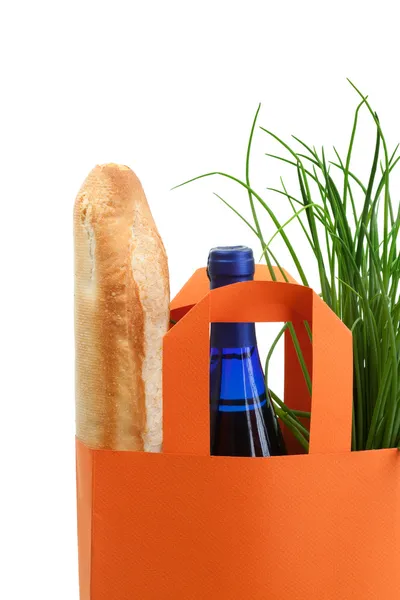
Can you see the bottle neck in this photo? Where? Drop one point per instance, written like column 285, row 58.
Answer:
column 218, row 281
column 231, row 335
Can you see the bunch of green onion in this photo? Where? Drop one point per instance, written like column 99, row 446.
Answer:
column 356, row 255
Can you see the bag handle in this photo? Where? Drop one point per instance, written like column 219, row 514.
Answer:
column 186, row 363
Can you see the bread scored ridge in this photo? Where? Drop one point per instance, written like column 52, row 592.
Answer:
column 121, row 313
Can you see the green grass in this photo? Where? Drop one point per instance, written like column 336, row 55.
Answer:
column 351, row 226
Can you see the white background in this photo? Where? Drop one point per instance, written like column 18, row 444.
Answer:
column 170, row 89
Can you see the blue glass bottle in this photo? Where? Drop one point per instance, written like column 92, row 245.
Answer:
column 243, row 421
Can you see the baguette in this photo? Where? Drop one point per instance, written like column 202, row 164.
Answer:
column 121, row 313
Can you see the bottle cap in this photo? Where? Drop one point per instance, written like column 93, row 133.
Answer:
column 230, row 261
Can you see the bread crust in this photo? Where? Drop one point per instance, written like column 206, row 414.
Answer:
column 121, row 313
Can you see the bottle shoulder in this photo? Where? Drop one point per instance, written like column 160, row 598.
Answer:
column 240, row 372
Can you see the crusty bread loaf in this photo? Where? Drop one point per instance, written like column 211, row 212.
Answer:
column 121, row 313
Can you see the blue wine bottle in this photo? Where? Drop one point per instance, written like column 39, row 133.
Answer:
column 243, row 421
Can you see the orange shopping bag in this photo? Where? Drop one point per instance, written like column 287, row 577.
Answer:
column 184, row 525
